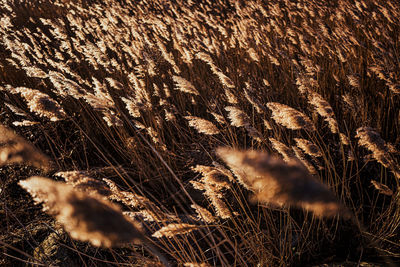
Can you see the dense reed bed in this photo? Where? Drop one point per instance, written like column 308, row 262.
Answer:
column 199, row 133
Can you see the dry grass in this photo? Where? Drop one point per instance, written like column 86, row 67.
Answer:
column 277, row 183
column 85, row 217
column 16, row 150
column 141, row 103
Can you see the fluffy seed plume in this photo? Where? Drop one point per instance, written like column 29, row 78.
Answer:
column 132, row 106
column 213, row 182
column 267, row 124
column 195, row 264
column 308, row 147
column 224, row 171
column 16, row 150
column 219, row 205
column 289, row 117
column 214, row 195
column 24, row 123
column 299, row 154
column 134, row 200
column 250, row 96
column 212, row 176
column 354, row 80
column 203, row 214
column 80, row 180
column 238, row 118
column 85, row 217
column 283, row 149
column 184, row 85
column 372, row 140
column 230, row 96
column 278, row 183
column 225, row 80
column 254, row 133
column 344, row 139
column 324, row 109
column 150, row 216
column 41, row 104
column 174, row 229
column 202, row 125
column 128, row 198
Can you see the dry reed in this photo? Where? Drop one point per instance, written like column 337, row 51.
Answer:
column 308, row 147
column 16, row 150
column 194, row 264
column 41, row 104
column 172, row 230
column 81, row 181
column 324, row 109
column 85, row 217
column 92, row 63
column 278, row 183
column 203, row 214
column 382, row 188
column 184, row 85
column 238, row 117
column 202, row 125
column 372, row 140
column 289, row 117
column 283, row 149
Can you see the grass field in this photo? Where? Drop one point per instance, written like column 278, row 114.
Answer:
column 199, row 133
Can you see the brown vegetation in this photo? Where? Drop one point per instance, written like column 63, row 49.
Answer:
column 248, row 133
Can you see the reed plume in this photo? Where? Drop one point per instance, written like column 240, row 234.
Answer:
column 128, row 198
column 203, row 214
column 324, row 109
column 25, row 123
column 249, row 93
column 308, row 147
column 16, row 150
column 184, row 85
column 354, row 80
column 372, row 140
column 132, row 106
column 230, row 96
column 202, row 125
column 299, row 154
column 194, row 264
column 41, row 103
column 137, row 201
column 283, row 149
column 81, row 181
column 344, row 139
column 225, row 80
column 221, row 209
column 238, row 117
column 212, row 183
column 212, row 176
column 150, row 216
column 289, row 117
column 278, row 183
column 85, row 217
column 174, row 229
column 172, row 63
